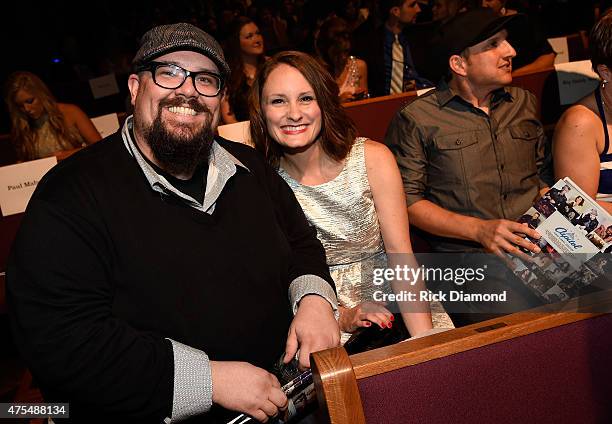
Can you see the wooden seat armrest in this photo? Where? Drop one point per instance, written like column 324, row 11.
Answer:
column 336, row 386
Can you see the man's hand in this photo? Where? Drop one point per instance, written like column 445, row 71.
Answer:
column 500, row 235
column 314, row 328
column 363, row 315
column 243, row 387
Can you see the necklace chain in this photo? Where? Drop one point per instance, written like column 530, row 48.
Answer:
column 603, row 100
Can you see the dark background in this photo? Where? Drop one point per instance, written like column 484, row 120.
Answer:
column 68, row 43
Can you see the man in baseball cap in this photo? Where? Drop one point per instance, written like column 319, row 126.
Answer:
column 159, row 273
column 470, row 153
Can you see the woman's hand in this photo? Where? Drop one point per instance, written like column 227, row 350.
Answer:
column 363, row 315
column 347, row 96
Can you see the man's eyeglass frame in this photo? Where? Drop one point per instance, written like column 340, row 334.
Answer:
column 152, row 67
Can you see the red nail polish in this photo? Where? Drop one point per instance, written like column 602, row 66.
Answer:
column 368, row 323
column 390, row 325
column 392, row 318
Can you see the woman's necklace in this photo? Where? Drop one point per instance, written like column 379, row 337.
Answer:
column 249, row 73
column 602, row 93
column 603, row 100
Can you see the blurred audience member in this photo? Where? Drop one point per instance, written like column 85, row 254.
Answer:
column 601, row 8
column 273, row 28
column 386, row 49
column 40, row 125
column 581, row 144
column 351, row 12
column 443, row 10
column 334, row 49
column 245, row 53
column 499, row 7
column 421, row 35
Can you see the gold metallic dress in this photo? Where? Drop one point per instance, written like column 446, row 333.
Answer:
column 342, row 210
column 47, row 142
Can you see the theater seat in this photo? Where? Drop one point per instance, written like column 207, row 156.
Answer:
column 530, row 367
column 373, row 116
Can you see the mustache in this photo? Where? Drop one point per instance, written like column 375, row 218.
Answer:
column 183, row 102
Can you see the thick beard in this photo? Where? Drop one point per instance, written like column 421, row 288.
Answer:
column 180, row 152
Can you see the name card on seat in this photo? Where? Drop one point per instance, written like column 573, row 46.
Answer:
column 106, row 124
column 18, row 182
column 424, row 90
column 576, row 80
column 103, row 86
column 559, row 45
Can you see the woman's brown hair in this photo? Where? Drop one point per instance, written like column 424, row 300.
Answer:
column 600, row 41
column 337, row 130
column 333, row 45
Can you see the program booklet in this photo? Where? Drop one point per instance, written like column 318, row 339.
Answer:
column 576, row 242
column 299, row 389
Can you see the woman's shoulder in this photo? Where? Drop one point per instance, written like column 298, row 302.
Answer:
column 361, row 63
column 69, row 108
column 70, row 111
column 579, row 117
column 376, row 147
column 377, row 154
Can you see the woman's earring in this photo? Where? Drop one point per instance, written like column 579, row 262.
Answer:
column 603, row 84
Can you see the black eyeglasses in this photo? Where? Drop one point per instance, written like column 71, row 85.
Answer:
column 171, row 76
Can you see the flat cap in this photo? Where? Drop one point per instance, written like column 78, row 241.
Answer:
column 176, row 37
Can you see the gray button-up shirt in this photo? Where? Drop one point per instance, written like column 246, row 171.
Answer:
column 463, row 160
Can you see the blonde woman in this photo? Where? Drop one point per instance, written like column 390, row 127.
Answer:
column 40, row 126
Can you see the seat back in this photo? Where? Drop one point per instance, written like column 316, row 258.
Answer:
column 535, row 366
column 373, row 116
column 8, row 156
column 8, row 230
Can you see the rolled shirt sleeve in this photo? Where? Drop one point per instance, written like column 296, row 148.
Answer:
column 403, row 139
column 312, row 284
column 192, row 382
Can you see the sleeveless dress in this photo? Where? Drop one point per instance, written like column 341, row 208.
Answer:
column 352, row 79
column 604, row 191
column 342, row 210
column 47, row 142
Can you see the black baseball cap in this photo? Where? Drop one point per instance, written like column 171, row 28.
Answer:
column 469, row 28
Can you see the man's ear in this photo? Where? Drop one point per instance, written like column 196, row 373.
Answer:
column 395, row 11
column 133, row 84
column 457, row 65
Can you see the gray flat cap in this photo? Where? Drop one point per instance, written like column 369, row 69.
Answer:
column 182, row 36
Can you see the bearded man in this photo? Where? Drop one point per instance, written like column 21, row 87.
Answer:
column 156, row 274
